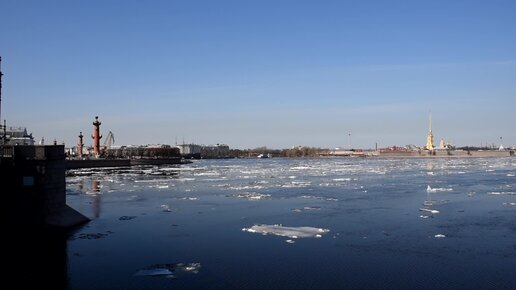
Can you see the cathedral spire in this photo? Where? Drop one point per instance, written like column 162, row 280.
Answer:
column 430, row 136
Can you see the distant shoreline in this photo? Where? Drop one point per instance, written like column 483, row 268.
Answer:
column 448, row 154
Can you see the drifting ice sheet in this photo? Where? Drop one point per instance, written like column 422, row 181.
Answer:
column 430, row 189
column 501, row 193
column 168, row 269
column 432, row 211
column 253, row 195
column 291, row 232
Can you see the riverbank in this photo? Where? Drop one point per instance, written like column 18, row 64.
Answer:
column 446, row 153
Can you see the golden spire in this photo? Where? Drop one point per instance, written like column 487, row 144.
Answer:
column 430, row 136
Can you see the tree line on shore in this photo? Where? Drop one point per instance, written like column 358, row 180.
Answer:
column 301, row 151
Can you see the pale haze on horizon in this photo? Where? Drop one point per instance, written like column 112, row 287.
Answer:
column 261, row 73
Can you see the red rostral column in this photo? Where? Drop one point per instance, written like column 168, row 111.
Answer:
column 80, row 145
column 96, row 137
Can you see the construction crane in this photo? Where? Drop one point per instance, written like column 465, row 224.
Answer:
column 110, row 140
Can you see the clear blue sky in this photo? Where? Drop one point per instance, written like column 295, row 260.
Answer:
column 261, row 73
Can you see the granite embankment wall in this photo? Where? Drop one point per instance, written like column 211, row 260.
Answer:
column 75, row 164
column 91, row 163
column 34, row 187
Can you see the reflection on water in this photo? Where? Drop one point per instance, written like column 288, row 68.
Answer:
column 96, row 197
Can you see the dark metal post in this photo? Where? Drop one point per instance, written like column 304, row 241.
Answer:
column 1, row 74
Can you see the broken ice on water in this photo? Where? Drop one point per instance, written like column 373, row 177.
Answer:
column 501, row 193
column 253, row 195
column 188, row 198
column 436, row 189
column 290, row 232
column 432, row 211
column 306, row 208
column 320, row 197
column 166, row 208
column 126, row 218
column 168, row 270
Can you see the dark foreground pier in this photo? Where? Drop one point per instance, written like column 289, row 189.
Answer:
column 34, row 188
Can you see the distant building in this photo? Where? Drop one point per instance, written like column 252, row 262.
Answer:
column 215, row 151
column 18, row 136
column 203, row 151
column 443, row 145
column 190, row 150
column 146, row 151
column 396, row 149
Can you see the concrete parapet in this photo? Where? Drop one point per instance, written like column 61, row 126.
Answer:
column 91, row 163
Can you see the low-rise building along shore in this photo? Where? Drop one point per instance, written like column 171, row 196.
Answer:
column 447, row 153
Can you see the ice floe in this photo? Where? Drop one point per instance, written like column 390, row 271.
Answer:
column 208, row 174
column 168, row 270
column 188, row 198
column 297, row 184
column 247, row 187
column 342, row 179
column 435, row 202
column 166, row 208
column 306, row 208
column 253, row 195
column 290, row 232
column 501, row 193
column 296, row 168
column 91, row 236
column 186, row 179
column 126, row 218
column 430, row 189
column 319, row 197
column 148, row 180
column 432, row 211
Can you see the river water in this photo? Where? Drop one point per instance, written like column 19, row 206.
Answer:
column 324, row 223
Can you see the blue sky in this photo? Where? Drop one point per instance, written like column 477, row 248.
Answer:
column 261, row 73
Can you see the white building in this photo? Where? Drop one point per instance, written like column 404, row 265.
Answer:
column 190, row 150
